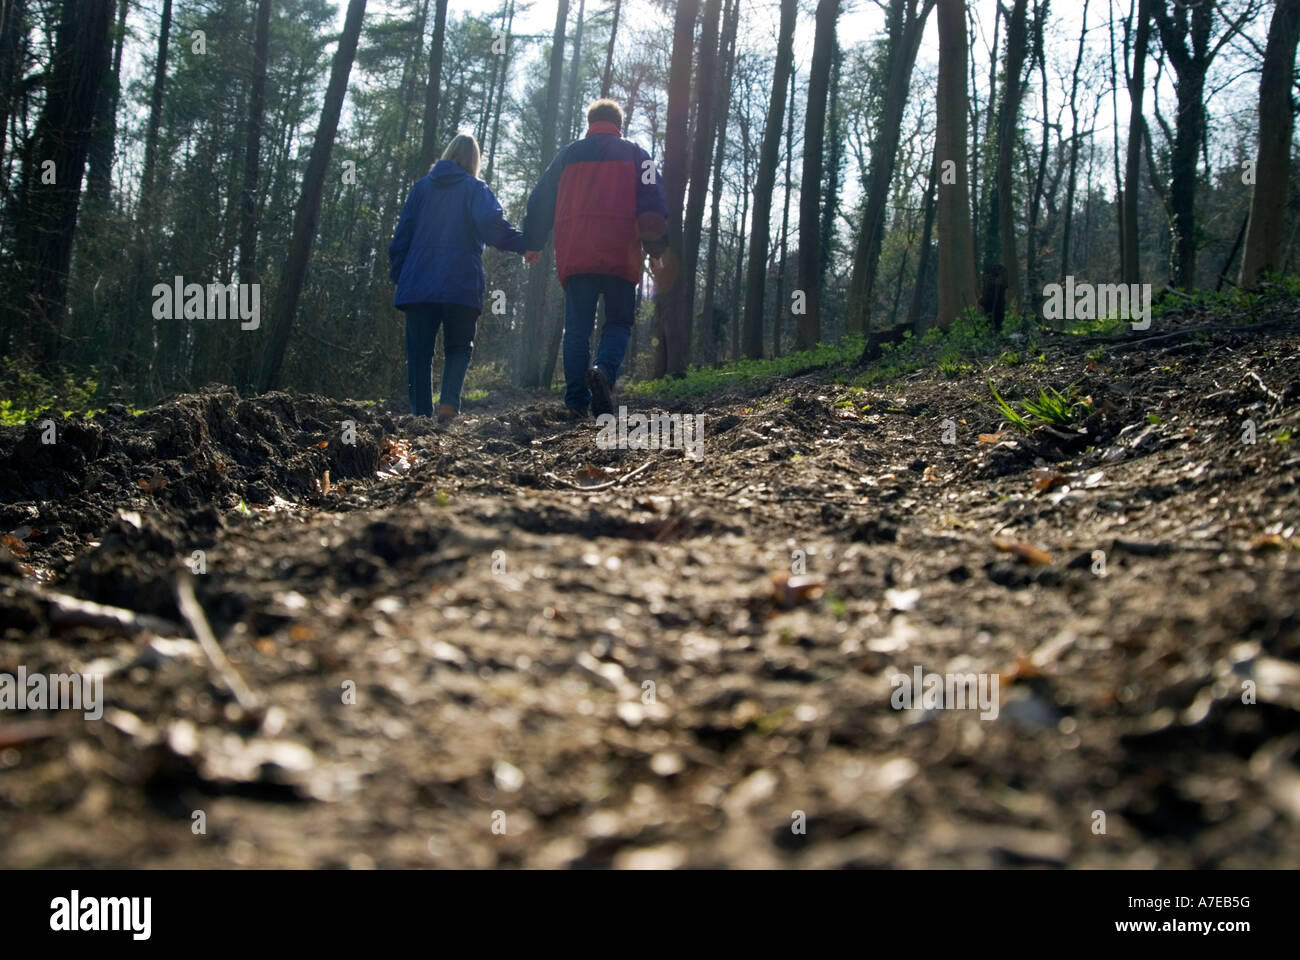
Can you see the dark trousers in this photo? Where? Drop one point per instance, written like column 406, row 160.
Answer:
column 422, row 321
column 581, row 292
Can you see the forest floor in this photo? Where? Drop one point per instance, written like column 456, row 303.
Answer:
column 449, row 655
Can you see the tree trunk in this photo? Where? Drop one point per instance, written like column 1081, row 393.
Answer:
column 308, row 213
column 43, row 246
column 671, row 352
column 905, row 32
column 575, row 70
column 134, row 364
column 247, row 264
column 1263, row 253
column 834, row 158
column 1114, row 140
column 533, row 333
column 608, row 76
column 1074, row 149
column 1132, row 272
column 701, row 153
column 756, row 279
column 923, row 266
column 13, row 30
column 1002, row 225
column 745, row 159
column 99, row 163
column 957, row 284
column 810, row 259
column 778, row 314
column 727, row 51
column 1033, row 252
column 567, row 134
column 433, row 92
column 1190, row 67
column 501, row 95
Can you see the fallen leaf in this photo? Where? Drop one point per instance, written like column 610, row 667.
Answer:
column 1023, row 668
column 790, row 592
column 1047, row 479
column 153, row 484
column 1024, row 552
column 990, row 438
column 930, row 476
column 395, row 459
column 14, row 544
column 591, row 475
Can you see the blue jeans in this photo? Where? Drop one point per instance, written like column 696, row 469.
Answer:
column 422, row 322
column 580, row 294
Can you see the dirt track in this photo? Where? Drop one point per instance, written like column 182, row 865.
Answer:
column 499, row 628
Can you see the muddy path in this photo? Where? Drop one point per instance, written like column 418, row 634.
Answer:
column 453, row 653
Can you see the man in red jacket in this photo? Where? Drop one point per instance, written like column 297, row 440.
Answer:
column 605, row 200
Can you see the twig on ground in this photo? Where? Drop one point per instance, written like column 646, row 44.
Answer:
column 193, row 614
column 66, row 611
column 601, row 486
column 1276, row 397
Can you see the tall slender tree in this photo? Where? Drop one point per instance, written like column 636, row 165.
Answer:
column 905, row 27
column 672, row 350
column 706, row 81
column 778, row 313
column 433, row 93
column 52, row 193
column 756, row 273
column 810, row 259
column 1185, row 37
column 531, row 343
column 1132, row 269
column 248, row 192
column 99, row 162
column 957, row 284
column 568, row 118
column 1263, row 252
column 607, row 78
column 308, row 214
column 727, row 53
column 1001, row 236
column 1071, row 178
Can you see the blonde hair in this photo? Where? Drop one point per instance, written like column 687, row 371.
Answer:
column 463, row 150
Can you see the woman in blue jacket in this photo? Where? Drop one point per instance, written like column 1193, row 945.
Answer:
column 436, row 260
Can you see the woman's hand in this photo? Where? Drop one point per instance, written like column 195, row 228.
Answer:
column 532, row 257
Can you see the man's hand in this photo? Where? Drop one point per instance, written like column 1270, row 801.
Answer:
column 532, row 257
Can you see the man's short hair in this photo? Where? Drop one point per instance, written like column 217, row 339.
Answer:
column 605, row 110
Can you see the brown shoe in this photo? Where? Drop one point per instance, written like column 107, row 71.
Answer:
column 447, row 413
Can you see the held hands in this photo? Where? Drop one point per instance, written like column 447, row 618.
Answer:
column 532, row 257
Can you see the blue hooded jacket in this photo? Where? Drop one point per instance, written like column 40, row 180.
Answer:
column 437, row 251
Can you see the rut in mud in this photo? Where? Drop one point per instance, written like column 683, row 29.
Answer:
column 445, row 650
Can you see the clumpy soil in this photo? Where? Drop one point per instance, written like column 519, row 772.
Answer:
column 453, row 653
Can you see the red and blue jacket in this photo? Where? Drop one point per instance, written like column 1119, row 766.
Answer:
column 605, row 200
